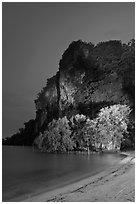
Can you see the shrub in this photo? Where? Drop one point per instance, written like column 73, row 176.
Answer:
column 57, row 137
column 78, row 123
column 81, row 133
column 112, row 123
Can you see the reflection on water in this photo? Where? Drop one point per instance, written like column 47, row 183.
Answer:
column 26, row 172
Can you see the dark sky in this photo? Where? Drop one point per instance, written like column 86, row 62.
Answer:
column 35, row 35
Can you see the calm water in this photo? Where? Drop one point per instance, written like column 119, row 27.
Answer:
column 26, row 172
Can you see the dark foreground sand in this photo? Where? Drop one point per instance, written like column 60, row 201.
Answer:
column 113, row 185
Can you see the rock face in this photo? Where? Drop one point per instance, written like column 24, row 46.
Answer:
column 47, row 103
column 89, row 78
column 81, row 85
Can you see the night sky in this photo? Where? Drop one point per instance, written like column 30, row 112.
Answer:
column 34, row 37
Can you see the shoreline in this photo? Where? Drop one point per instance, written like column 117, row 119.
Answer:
column 114, row 184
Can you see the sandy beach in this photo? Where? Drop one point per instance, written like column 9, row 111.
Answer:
column 117, row 184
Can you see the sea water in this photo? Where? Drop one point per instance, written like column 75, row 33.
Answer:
column 26, row 172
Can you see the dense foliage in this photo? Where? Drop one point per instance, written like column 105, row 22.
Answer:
column 81, row 133
column 57, row 137
column 112, row 123
column 25, row 136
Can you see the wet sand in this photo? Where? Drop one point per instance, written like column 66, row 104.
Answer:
column 117, row 184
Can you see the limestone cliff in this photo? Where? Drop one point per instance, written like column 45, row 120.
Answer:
column 89, row 77
column 84, row 82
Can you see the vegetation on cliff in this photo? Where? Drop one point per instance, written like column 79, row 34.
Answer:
column 90, row 78
column 81, row 133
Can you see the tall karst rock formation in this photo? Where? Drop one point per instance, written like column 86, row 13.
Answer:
column 89, row 77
